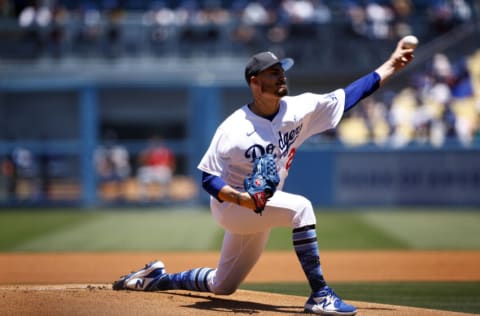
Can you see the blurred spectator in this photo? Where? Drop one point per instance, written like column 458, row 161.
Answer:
column 298, row 11
column 112, row 162
column 445, row 14
column 403, row 11
column 373, row 20
column 7, row 9
column 26, row 171
column 461, row 82
column 57, row 35
column 357, row 18
column 155, row 173
column 35, row 14
column 202, row 28
column 112, row 41
column 461, row 11
column 321, row 12
column 402, row 115
column 255, row 14
column 451, row 86
column 379, row 21
column 87, row 36
column 377, row 121
column 160, row 21
column 9, row 175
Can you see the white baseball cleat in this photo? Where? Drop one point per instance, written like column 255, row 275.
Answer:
column 326, row 302
column 141, row 280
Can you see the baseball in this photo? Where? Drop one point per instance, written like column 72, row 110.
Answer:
column 410, row 41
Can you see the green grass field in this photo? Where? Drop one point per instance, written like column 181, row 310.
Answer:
column 104, row 230
column 451, row 296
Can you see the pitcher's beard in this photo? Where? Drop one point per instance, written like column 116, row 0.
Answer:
column 283, row 91
column 279, row 92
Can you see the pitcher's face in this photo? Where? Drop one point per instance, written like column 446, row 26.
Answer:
column 273, row 81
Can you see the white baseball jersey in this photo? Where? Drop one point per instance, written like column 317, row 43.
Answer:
column 243, row 136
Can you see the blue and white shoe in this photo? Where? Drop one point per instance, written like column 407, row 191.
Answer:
column 143, row 279
column 326, row 302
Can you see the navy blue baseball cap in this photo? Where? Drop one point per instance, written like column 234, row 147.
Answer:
column 264, row 60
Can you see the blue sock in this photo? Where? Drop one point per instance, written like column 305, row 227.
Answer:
column 194, row 280
column 306, row 247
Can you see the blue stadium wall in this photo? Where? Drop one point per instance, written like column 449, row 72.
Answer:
column 373, row 177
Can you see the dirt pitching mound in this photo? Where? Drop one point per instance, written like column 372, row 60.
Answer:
column 99, row 299
column 57, row 284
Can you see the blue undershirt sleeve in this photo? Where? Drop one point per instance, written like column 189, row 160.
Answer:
column 360, row 89
column 212, row 184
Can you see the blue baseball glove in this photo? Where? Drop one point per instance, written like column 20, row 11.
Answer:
column 262, row 183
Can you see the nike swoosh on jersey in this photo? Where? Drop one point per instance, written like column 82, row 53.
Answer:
column 251, row 133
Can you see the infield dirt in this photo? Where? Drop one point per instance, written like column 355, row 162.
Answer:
column 79, row 283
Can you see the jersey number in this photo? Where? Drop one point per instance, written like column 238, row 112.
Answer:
column 291, row 154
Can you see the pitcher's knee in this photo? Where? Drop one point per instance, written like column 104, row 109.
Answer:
column 224, row 290
column 305, row 214
column 221, row 284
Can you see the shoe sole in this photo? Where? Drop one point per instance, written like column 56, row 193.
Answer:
column 310, row 311
column 149, row 268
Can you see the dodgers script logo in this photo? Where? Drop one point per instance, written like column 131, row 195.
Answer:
column 285, row 141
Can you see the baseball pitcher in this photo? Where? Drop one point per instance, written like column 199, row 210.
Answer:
column 244, row 170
